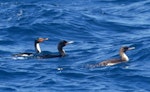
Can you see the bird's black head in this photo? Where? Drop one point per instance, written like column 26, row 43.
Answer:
column 126, row 48
column 62, row 43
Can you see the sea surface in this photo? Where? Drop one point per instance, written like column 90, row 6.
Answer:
column 98, row 28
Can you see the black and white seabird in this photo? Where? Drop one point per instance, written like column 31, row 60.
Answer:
column 61, row 51
column 37, row 48
column 123, row 57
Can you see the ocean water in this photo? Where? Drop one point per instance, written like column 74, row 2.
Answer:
column 98, row 28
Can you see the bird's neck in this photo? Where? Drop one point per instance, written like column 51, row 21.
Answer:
column 61, row 51
column 37, row 47
column 124, row 57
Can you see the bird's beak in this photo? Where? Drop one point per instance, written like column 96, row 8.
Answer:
column 45, row 39
column 42, row 39
column 131, row 48
column 70, row 42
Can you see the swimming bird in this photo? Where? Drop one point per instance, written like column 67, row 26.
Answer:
column 123, row 57
column 37, row 48
column 61, row 51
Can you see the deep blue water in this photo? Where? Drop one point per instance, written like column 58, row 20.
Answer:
column 98, row 28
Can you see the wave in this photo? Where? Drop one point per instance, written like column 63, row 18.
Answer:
column 8, row 89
